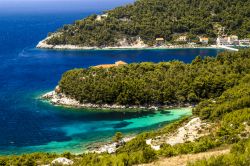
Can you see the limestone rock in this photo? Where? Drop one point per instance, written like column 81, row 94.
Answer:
column 63, row 161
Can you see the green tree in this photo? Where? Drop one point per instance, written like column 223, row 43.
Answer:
column 118, row 137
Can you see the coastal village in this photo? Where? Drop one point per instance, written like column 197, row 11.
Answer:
column 186, row 41
column 224, row 40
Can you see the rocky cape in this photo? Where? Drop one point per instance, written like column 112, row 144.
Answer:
column 60, row 99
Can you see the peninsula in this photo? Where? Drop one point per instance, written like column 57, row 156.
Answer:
column 158, row 24
column 150, row 85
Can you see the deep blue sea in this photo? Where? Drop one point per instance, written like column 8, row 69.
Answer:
column 28, row 124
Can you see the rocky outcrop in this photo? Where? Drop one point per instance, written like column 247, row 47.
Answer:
column 193, row 130
column 189, row 132
column 62, row 161
column 44, row 44
column 110, row 147
column 122, row 44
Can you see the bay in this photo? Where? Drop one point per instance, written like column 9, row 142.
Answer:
column 27, row 124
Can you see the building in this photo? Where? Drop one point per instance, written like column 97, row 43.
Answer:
column 181, row 39
column 118, row 63
column 244, row 42
column 233, row 40
column 228, row 40
column 159, row 41
column 204, row 40
column 222, row 41
column 106, row 66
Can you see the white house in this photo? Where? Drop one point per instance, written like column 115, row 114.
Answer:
column 228, row 40
column 222, row 41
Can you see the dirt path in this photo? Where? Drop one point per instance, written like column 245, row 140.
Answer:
column 182, row 160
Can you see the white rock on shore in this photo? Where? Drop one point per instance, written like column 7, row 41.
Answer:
column 122, row 44
column 138, row 44
column 189, row 132
column 111, row 147
column 193, row 130
column 61, row 99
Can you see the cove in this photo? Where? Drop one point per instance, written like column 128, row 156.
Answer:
column 29, row 125
column 83, row 127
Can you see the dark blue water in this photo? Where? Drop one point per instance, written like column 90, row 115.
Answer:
column 28, row 124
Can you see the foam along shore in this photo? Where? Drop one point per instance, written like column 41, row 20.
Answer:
column 60, row 99
column 138, row 44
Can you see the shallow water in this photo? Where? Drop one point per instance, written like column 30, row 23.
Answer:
column 28, row 124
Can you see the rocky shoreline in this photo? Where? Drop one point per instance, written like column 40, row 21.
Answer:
column 191, row 129
column 60, row 99
column 108, row 147
column 139, row 45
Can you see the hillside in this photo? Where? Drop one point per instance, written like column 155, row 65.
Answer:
column 145, row 20
column 220, row 120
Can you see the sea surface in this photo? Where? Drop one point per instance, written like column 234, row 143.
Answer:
column 28, row 124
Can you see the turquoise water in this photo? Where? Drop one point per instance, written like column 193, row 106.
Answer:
column 28, row 124
column 83, row 133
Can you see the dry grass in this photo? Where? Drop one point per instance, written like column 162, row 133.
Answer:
column 182, row 160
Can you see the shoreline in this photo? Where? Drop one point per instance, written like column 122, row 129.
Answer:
column 59, row 99
column 43, row 45
column 107, row 146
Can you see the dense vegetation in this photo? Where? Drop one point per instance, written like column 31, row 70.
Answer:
column 150, row 19
column 240, row 155
column 158, row 84
column 236, row 98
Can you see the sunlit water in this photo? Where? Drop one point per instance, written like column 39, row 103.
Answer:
column 27, row 124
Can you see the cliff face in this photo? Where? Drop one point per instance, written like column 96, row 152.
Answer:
column 152, row 19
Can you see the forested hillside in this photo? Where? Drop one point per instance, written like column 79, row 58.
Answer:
column 164, row 83
column 151, row 19
column 220, row 85
column 230, row 128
